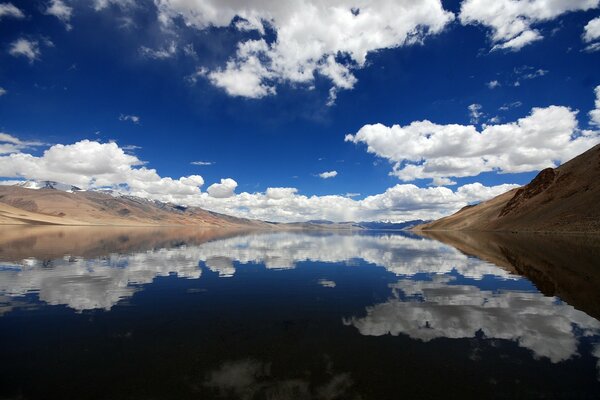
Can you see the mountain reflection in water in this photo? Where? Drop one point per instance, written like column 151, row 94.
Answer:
column 184, row 312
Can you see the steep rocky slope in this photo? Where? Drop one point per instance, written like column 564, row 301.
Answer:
column 565, row 199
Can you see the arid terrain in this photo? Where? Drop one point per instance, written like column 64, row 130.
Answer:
column 21, row 206
column 565, row 199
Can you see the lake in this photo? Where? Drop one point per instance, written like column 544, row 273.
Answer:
column 178, row 313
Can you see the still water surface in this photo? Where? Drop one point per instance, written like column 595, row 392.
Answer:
column 140, row 313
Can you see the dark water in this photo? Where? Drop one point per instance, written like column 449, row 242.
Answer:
column 93, row 313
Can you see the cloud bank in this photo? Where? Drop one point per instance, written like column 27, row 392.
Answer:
column 513, row 23
column 89, row 164
column 329, row 39
column 426, row 150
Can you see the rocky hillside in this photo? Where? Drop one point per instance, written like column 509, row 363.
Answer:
column 565, row 199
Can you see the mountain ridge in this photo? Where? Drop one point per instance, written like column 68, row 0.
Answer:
column 563, row 199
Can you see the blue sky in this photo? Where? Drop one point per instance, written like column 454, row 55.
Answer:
column 269, row 119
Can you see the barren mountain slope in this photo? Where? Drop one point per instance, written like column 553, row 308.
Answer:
column 50, row 206
column 565, row 199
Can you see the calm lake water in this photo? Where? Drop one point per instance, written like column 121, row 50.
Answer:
column 141, row 313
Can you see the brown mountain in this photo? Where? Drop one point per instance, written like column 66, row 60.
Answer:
column 565, row 199
column 55, row 207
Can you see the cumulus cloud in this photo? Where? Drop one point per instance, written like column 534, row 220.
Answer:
column 3, row 91
column 133, row 118
column 89, row 164
column 280, row 193
column 424, row 149
column 592, row 30
column 398, row 203
column 222, row 190
column 513, row 22
column 10, row 10
column 592, row 33
column 595, row 113
column 61, row 11
column 22, row 47
column 328, row 174
column 312, row 37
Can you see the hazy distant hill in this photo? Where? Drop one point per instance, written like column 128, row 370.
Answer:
column 53, row 205
column 392, row 225
column 565, row 199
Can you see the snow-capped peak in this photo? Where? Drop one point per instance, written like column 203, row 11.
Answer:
column 49, row 185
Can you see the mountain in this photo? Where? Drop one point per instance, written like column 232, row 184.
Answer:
column 391, row 226
column 52, row 205
column 370, row 225
column 565, row 199
column 48, row 185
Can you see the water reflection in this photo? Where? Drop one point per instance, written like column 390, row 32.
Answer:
column 427, row 310
column 251, row 379
column 84, row 283
column 189, row 313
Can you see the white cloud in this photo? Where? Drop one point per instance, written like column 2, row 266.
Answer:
column 513, row 22
column 222, row 190
column 280, row 193
column 3, row 91
column 398, row 203
column 310, row 37
column 102, row 4
column 592, row 30
column 159, row 54
column 61, row 11
column 92, row 164
column 133, row 118
column 442, row 182
column 10, row 144
column 89, row 164
column 592, row 33
column 519, row 42
column 475, row 113
column 595, row 113
column 29, row 49
column 509, row 106
column 527, row 72
column 424, row 149
column 328, row 174
column 493, row 84
column 593, row 47
column 202, row 163
column 10, row 10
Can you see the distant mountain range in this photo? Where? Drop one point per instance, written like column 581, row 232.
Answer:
column 58, row 204
column 54, row 203
column 565, row 199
